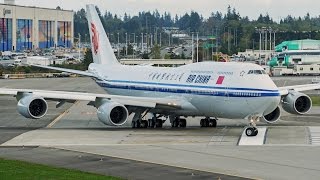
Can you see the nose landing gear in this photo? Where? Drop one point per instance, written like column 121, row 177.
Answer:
column 252, row 130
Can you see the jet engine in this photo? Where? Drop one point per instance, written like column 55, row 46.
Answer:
column 272, row 117
column 32, row 107
column 297, row 103
column 112, row 113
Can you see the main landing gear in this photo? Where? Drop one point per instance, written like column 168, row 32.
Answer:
column 252, row 130
column 207, row 122
column 178, row 122
column 138, row 122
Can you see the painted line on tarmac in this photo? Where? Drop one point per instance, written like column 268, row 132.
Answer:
column 314, row 135
column 61, row 116
column 255, row 140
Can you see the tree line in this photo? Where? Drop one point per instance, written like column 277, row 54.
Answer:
column 233, row 32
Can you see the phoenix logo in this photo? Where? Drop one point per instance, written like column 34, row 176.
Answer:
column 95, row 38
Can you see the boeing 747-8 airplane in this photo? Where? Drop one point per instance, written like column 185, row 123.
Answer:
column 208, row 89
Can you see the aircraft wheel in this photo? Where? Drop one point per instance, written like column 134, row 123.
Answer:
column 138, row 124
column 212, row 123
column 159, row 123
column 183, row 123
column 144, row 124
column 202, row 123
column 251, row 131
column 175, row 124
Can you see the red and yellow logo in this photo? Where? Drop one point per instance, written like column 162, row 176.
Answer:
column 95, row 38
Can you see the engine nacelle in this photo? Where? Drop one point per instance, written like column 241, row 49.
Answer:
column 297, row 103
column 112, row 113
column 272, row 117
column 32, row 107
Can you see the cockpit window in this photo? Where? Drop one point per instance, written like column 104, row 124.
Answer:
column 256, row 72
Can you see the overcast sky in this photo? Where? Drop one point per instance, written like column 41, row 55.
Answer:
column 275, row 8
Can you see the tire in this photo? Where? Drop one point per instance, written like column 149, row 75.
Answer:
column 250, row 131
column 159, row 123
column 138, row 124
column 149, row 122
column 206, row 122
column 144, row 124
column 212, row 123
column 175, row 124
column 202, row 124
column 183, row 123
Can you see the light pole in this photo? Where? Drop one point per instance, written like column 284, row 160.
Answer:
column 126, row 44
column 197, row 46
column 151, row 37
column 79, row 45
column 266, row 40
column 160, row 38
column 260, row 41
column 134, row 44
column 142, row 46
column 274, row 40
column 270, row 31
column 169, row 39
column 147, row 41
column 192, row 46
column 118, row 45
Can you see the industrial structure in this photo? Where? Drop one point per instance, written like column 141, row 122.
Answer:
column 26, row 28
column 298, row 57
column 304, row 44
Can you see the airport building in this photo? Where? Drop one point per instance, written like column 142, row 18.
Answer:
column 23, row 27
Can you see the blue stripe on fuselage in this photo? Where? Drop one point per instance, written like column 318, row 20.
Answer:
column 190, row 86
column 209, row 91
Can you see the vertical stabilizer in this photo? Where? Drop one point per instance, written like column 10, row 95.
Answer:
column 102, row 51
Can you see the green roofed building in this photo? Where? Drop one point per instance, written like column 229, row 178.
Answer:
column 305, row 44
column 290, row 53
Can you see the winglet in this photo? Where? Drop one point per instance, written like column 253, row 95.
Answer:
column 102, row 51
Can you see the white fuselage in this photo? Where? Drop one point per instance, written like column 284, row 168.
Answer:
column 224, row 90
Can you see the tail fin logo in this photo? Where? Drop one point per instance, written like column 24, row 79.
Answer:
column 95, row 38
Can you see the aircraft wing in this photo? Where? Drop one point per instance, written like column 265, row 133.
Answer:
column 162, row 103
column 84, row 73
column 306, row 87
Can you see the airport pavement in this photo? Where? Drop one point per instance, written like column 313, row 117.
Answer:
column 289, row 148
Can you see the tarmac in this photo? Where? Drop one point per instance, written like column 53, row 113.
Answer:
column 73, row 137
